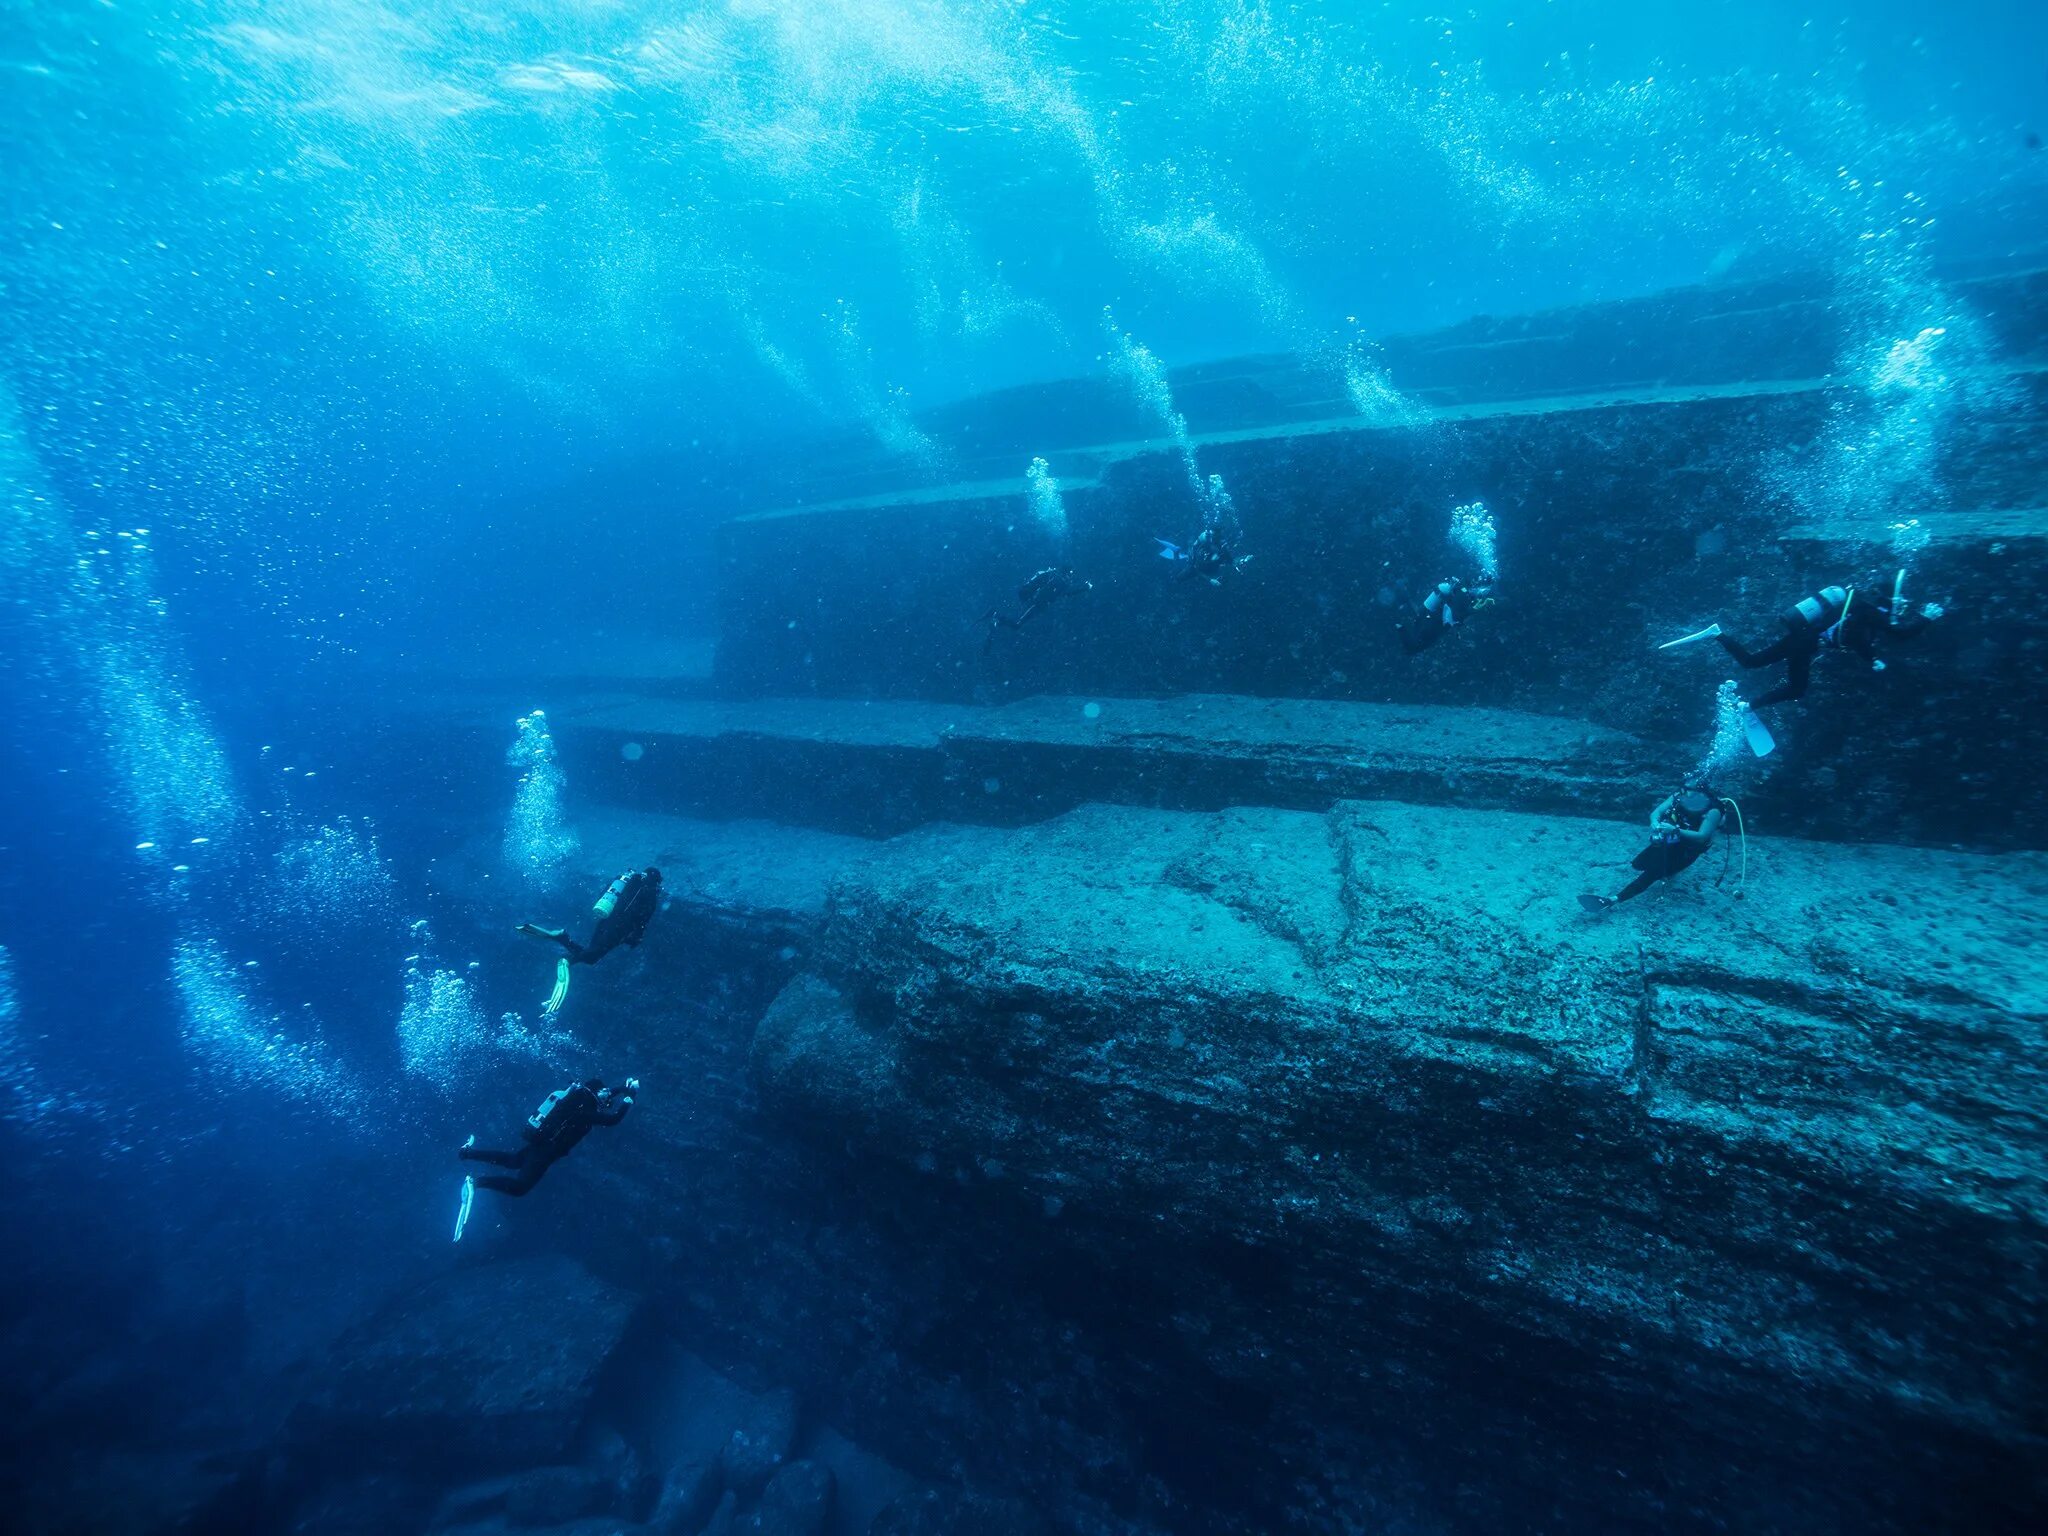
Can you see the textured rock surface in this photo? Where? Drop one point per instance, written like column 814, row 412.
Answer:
column 1332, row 1167
column 1392, row 1129
column 489, row 1366
column 760, row 1445
column 796, row 1502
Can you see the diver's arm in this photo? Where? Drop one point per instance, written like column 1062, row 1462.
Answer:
column 1663, row 809
column 620, row 1104
column 1709, row 825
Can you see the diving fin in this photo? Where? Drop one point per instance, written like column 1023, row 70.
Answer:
column 468, row 1200
column 1761, row 741
column 553, row 1005
column 1898, row 592
column 1699, row 634
column 1168, row 550
column 1596, row 903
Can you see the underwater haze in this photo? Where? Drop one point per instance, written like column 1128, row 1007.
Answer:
column 1282, row 757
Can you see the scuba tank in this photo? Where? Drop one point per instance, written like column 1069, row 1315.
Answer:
column 547, row 1107
column 612, row 893
column 1825, row 608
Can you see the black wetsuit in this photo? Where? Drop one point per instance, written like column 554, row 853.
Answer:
column 1209, row 557
column 1449, row 604
column 566, row 1122
column 1055, row 581
column 1668, row 855
column 626, row 923
column 1660, row 861
column 1832, row 619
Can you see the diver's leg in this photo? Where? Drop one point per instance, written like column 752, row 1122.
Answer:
column 553, row 936
column 531, row 1164
column 1640, row 884
column 1798, row 672
column 1776, row 651
column 487, row 1155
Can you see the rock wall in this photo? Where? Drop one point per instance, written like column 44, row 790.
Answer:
column 1269, row 1170
column 1619, row 527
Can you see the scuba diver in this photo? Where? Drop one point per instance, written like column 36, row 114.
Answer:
column 1684, row 825
column 623, row 913
column 1210, row 558
column 1449, row 603
column 550, row 1134
column 1834, row 618
column 1044, row 587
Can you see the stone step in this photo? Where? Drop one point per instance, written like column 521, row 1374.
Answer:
column 879, row 767
column 1623, row 520
column 1371, row 1124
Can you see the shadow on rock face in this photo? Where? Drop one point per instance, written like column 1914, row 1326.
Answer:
column 482, row 1369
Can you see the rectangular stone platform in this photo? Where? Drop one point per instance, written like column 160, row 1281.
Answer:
column 881, row 767
column 1356, row 1113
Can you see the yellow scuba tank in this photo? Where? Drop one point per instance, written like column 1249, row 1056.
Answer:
column 612, row 892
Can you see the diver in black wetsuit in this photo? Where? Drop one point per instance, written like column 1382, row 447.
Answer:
column 551, row 1133
column 1042, row 588
column 1834, row 618
column 623, row 913
column 1210, row 558
column 1684, row 824
column 1449, row 603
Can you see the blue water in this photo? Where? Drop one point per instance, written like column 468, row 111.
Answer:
column 350, row 348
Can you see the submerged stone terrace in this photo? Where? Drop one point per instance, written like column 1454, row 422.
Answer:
column 1213, row 1113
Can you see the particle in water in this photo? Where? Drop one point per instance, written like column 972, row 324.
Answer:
column 1091, row 711
column 632, row 751
column 144, row 847
column 991, row 786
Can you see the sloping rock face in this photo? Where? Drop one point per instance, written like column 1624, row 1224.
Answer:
column 1389, row 1183
column 482, row 1368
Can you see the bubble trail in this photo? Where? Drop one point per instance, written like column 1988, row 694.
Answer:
column 538, row 841
column 1047, row 505
column 1472, row 530
column 246, row 1048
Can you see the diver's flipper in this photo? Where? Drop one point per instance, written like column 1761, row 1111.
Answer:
column 462, row 1210
column 553, row 1005
column 1168, row 550
column 1761, row 741
column 535, row 931
column 1596, row 903
column 1898, row 593
column 1699, row 634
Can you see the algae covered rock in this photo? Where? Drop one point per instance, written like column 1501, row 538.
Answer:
column 493, row 1366
column 1377, row 1130
column 760, row 1444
